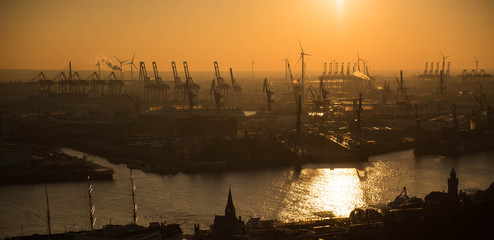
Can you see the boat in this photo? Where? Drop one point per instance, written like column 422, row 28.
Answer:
column 404, row 201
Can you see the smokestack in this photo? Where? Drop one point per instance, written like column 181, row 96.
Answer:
column 70, row 70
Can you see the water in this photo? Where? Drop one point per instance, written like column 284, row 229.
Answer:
column 271, row 193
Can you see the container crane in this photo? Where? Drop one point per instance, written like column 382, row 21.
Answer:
column 148, row 85
column 61, row 79
column 235, row 86
column 178, row 90
column 194, row 87
column 269, row 93
column 222, row 86
column 315, row 99
column 161, row 87
column 402, row 90
column 44, row 86
column 114, row 85
column 189, row 87
column 214, row 91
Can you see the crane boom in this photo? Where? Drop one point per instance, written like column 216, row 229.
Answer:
column 157, row 78
column 219, row 79
column 175, row 74
column 269, row 93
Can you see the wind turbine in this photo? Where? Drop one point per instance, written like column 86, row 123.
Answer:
column 121, row 67
column 476, row 65
column 358, row 61
column 302, row 54
column 287, row 61
column 444, row 58
column 131, row 63
column 252, row 76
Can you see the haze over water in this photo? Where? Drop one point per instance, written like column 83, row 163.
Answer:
column 275, row 193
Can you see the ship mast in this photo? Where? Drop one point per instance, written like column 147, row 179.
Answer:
column 92, row 219
column 134, row 209
column 48, row 211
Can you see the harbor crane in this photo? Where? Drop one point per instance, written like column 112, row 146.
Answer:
column 214, row 91
column 269, row 93
column 223, row 87
column 148, row 85
column 178, row 90
column 402, row 90
column 161, row 87
column 189, row 87
column 114, row 85
column 315, row 98
column 44, row 85
column 237, row 89
column 194, row 87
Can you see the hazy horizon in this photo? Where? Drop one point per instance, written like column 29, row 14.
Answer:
column 388, row 34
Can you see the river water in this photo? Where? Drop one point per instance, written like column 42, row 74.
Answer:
column 275, row 193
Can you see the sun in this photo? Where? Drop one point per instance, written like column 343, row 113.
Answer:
column 340, row 5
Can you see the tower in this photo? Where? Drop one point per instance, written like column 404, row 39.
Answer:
column 453, row 186
column 230, row 209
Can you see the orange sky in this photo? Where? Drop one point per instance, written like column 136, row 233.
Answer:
column 392, row 34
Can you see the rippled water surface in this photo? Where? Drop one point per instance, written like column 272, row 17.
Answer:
column 279, row 193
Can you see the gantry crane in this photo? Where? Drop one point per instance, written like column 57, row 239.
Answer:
column 223, row 87
column 44, row 85
column 237, row 89
column 178, row 89
column 161, row 87
column 148, row 85
column 114, row 85
column 189, row 87
column 214, row 91
column 194, row 87
column 269, row 93
column 402, row 90
column 315, row 99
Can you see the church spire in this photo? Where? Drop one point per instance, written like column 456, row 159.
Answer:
column 230, row 209
column 453, row 185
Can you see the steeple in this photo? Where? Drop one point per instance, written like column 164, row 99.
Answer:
column 230, row 209
column 453, row 185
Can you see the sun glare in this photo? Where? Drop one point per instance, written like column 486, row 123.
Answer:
column 340, row 6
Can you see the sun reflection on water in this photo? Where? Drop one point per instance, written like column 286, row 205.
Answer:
column 337, row 190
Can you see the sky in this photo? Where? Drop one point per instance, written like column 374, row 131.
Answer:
column 390, row 34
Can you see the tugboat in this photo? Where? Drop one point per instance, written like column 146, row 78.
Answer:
column 404, row 201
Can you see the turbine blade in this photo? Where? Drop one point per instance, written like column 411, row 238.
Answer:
column 301, row 48
column 298, row 60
